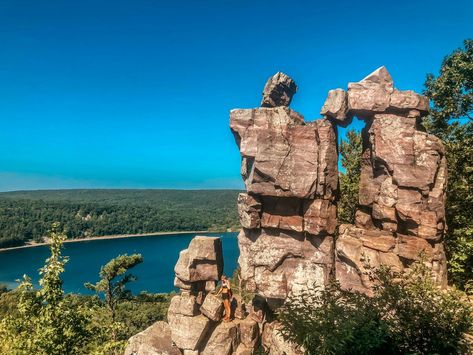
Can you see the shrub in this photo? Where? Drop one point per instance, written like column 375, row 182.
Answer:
column 408, row 313
column 45, row 322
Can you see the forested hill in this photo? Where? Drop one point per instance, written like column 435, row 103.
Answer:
column 27, row 215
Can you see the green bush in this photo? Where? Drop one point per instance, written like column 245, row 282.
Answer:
column 408, row 314
column 47, row 321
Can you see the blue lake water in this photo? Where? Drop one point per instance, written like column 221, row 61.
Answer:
column 155, row 274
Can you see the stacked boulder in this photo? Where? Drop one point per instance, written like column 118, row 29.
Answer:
column 288, row 215
column 401, row 213
column 195, row 314
column 288, row 212
column 290, row 171
column 191, row 312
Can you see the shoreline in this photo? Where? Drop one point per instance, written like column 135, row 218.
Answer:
column 107, row 237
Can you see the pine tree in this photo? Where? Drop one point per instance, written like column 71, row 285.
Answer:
column 350, row 150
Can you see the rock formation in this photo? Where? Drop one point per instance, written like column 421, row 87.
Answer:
column 288, row 214
column 278, row 91
column 401, row 212
column 289, row 167
column 289, row 219
column 155, row 339
column 195, row 323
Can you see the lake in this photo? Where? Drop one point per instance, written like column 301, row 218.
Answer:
column 155, row 274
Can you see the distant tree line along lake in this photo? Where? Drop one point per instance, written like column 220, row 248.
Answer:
column 155, row 274
column 28, row 215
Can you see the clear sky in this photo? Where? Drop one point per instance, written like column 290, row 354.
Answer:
column 136, row 94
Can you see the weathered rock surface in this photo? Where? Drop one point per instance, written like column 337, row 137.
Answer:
column 224, row 340
column 154, row 340
column 212, row 307
column 277, row 263
column 402, row 185
column 184, row 304
column 249, row 211
column 274, row 342
column 188, row 332
column 202, row 261
column 197, row 270
column 278, row 91
column 239, row 308
column 242, row 349
column 336, row 106
column 372, row 94
column 290, row 171
column 284, row 157
column 376, row 94
column 358, row 250
column 249, row 333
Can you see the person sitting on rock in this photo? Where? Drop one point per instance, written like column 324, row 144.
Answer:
column 226, row 292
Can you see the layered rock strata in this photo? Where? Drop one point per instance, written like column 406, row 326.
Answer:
column 289, row 168
column 401, row 214
column 288, row 213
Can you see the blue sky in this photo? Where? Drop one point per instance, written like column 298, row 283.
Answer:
column 136, row 94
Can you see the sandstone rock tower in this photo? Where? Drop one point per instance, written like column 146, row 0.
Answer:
column 288, row 214
column 289, row 240
column 290, row 170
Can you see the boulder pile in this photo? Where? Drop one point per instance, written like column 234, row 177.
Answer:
column 194, row 320
column 288, row 215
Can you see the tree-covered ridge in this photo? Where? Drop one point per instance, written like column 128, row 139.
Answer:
column 28, row 215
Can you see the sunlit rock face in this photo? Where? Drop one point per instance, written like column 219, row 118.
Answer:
column 288, row 213
column 401, row 211
column 278, row 91
column 289, row 168
column 289, row 218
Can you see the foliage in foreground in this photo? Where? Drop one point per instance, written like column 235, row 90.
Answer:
column 451, row 118
column 46, row 321
column 408, row 314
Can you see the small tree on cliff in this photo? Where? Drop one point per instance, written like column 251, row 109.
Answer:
column 350, row 150
column 46, row 322
column 451, row 118
column 113, row 282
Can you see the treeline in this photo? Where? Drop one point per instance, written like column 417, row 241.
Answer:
column 28, row 215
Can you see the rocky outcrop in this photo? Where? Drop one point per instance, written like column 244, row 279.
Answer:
column 401, row 211
column 154, row 340
column 190, row 314
column 200, row 266
column 288, row 213
column 212, row 307
column 195, row 323
column 289, row 167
